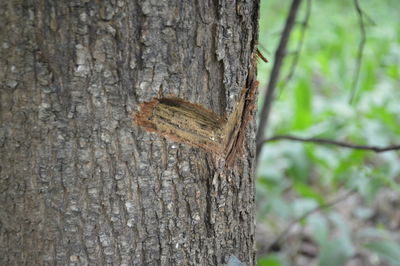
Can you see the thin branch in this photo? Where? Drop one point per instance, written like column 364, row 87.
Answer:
column 287, row 229
column 360, row 52
column 279, row 56
column 296, row 56
column 333, row 142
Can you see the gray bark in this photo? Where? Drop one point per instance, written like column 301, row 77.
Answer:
column 79, row 183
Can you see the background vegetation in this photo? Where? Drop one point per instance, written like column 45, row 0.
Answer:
column 327, row 205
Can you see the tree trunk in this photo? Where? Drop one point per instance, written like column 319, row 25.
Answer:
column 80, row 183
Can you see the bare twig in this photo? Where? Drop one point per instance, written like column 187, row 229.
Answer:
column 333, row 142
column 297, row 52
column 279, row 56
column 360, row 52
column 287, row 229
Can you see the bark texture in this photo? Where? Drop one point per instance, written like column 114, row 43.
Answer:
column 79, row 183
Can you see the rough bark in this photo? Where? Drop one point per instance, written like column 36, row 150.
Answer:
column 80, row 184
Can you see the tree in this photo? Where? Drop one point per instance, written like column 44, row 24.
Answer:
column 80, row 183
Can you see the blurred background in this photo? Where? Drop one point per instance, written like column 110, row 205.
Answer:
column 324, row 204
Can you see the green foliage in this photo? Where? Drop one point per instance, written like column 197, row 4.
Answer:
column 294, row 178
column 269, row 261
column 386, row 249
column 302, row 105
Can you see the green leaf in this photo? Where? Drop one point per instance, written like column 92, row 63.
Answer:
column 389, row 119
column 385, row 249
column 308, row 192
column 271, row 260
column 299, row 163
column 393, row 71
column 319, row 227
column 302, row 206
column 369, row 76
column 334, row 252
column 302, row 105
